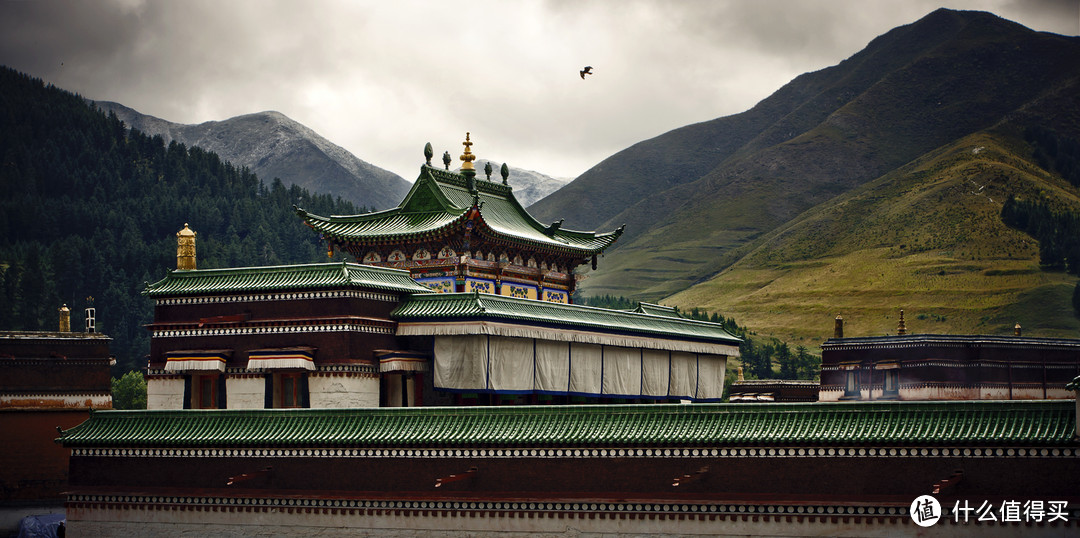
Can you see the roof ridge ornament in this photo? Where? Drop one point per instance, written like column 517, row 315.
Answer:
column 185, row 249
column 428, row 153
column 467, row 168
column 468, row 156
column 505, row 171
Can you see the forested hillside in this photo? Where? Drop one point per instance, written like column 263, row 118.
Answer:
column 91, row 209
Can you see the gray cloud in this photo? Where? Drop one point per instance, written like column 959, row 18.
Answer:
column 383, row 78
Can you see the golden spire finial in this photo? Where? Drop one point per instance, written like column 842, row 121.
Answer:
column 467, row 157
column 185, row 249
column 901, row 328
column 65, row 319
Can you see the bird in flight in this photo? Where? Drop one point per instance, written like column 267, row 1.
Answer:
column 586, row 71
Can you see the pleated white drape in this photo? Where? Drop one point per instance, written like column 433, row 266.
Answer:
column 483, row 363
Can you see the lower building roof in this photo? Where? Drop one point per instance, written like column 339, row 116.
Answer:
column 283, row 277
column 955, row 423
column 417, row 310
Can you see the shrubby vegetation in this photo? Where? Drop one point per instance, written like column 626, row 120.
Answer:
column 1054, row 151
column 129, row 391
column 91, row 209
column 1057, row 231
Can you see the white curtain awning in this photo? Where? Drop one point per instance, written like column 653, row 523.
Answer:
column 282, row 359
column 496, row 364
column 402, row 361
column 197, row 360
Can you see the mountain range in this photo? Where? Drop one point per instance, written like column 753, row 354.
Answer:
column 860, row 189
column 529, row 186
column 272, row 145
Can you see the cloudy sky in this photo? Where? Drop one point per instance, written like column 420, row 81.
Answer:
column 382, row 78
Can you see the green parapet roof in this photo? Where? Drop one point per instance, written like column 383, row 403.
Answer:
column 482, row 306
column 439, row 200
column 283, row 277
column 949, row 423
column 657, row 310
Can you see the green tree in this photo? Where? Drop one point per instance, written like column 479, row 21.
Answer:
column 129, row 391
column 807, row 366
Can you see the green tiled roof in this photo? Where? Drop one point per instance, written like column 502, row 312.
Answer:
column 440, row 199
column 963, row 423
column 480, row 306
column 284, row 277
column 657, row 310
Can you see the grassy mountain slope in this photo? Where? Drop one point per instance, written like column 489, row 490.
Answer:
column 927, row 238
column 915, row 89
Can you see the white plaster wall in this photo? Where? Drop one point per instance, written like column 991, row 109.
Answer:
column 245, row 392
column 830, row 395
column 338, row 391
column 58, row 401
column 164, row 393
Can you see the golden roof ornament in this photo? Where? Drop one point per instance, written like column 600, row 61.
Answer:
column 467, row 157
column 185, row 249
column 901, row 328
column 65, row 319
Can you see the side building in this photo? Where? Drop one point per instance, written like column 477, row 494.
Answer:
column 947, row 367
column 48, row 380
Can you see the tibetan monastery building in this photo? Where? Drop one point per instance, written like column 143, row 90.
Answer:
column 462, row 298
column 456, row 233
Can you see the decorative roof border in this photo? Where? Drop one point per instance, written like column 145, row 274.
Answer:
column 355, row 326
column 1045, row 423
column 576, row 508
column 262, row 297
column 945, row 340
column 571, row 452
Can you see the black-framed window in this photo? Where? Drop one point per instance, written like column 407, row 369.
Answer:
column 285, row 390
column 204, row 391
column 891, row 384
column 852, row 388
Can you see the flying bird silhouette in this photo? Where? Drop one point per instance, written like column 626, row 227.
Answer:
column 586, row 71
